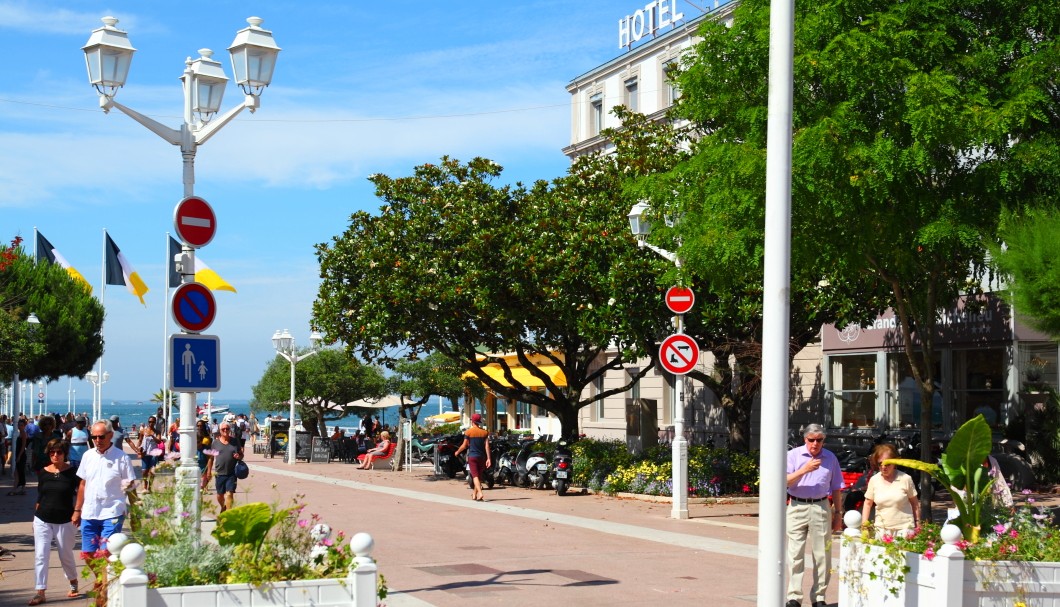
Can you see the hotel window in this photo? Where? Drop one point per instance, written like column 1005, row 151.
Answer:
column 596, row 113
column 671, row 90
column 599, row 405
column 853, row 390
column 632, row 98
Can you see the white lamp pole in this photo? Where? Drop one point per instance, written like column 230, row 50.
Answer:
column 640, row 228
column 16, row 383
column 108, row 55
column 285, row 347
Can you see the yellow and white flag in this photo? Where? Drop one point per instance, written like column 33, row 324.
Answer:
column 120, row 272
column 203, row 273
column 46, row 252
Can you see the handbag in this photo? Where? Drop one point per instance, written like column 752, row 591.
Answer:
column 242, row 469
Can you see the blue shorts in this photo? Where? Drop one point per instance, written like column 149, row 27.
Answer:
column 148, row 461
column 224, row 483
column 94, row 533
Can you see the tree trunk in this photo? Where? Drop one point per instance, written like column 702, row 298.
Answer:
column 568, row 421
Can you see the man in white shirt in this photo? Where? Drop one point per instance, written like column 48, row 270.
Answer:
column 105, row 472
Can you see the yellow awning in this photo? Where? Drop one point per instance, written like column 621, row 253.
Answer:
column 524, row 376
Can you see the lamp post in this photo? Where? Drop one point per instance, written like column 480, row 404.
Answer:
column 285, row 347
column 641, row 228
column 16, row 383
column 97, row 382
column 108, row 55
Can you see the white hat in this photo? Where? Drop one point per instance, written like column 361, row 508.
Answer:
column 230, row 418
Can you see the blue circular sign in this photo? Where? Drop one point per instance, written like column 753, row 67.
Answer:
column 193, row 307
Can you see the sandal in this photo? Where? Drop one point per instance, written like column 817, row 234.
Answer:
column 36, row 600
column 73, row 594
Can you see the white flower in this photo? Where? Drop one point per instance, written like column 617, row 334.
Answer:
column 318, row 553
column 320, row 532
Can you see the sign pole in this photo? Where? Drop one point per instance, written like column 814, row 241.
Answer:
column 680, row 445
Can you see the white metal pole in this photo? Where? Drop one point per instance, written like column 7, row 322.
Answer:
column 680, row 445
column 292, row 434
column 776, row 308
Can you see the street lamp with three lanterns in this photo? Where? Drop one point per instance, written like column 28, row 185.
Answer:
column 97, row 382
column 286, row 348
column 108, row 56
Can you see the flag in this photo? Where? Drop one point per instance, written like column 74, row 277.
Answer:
column 46, row 252
column 203, row 274
column 120, row 272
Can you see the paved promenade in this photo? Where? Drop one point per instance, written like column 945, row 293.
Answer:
column 436, row 546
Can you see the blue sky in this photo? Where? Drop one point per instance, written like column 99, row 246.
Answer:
column 360, row 88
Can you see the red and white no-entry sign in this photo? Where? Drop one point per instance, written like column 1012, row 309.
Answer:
column 194, row 221
column 679, row 299
column 679, row 354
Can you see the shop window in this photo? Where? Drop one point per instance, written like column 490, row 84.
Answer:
column 979, row 384
column 502, row 414
column 522, row 416
column 1038, row 367
column 853, row 388
column 904, row 394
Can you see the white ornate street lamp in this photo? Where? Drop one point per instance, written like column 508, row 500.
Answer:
column 108, row 55
column 97, row 382
column 286, row 348
column 16, row 383
column 641, row 228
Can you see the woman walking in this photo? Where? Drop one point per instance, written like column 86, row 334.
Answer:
column 892, row 492
column 477, row 444
column 20, row 442
column 54, row 518
column 150, row 449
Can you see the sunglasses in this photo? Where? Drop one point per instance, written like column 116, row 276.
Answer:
column 56, row 452
column 815, row 440
column 99, row 436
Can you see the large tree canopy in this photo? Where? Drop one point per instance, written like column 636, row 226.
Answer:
column 1030, row 261
column 415, row 381
column 914, row 122
column 452, row 263
column 324, row 384
column 68, row 339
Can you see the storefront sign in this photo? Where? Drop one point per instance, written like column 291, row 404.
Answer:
column 646, row 21
column 985, row 322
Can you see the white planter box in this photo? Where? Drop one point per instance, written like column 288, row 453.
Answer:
column 357, row 589
column 948, row 580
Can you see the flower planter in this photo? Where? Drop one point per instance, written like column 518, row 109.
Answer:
column 357, row 589
column 868, row 577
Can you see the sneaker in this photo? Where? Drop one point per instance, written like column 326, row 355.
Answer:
column 793, row 603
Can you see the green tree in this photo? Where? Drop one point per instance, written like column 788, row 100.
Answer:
column 453, row 264
column 68, row 339
column 1030, row 262
column 415, row 381
column 324, row 384
column 913, row 123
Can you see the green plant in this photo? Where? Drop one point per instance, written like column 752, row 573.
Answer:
column 248, row 525
column 962, row 471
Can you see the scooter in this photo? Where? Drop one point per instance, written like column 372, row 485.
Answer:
column 525, row 467
column 562, row 468
column 422, row 451
column 448, row 462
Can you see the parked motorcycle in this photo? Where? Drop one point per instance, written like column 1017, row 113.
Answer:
column 562, row 468
column 422, row 450
column 448, row 462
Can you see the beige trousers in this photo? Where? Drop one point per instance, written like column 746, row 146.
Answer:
column 809, row 523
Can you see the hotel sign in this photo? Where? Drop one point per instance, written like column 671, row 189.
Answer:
column 646, row 21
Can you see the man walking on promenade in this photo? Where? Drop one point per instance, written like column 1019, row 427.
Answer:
column 101, row 506
column 813, row 475
column 226, row 451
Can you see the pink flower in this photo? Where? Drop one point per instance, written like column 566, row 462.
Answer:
column 888, row 538
column 1012, row 549
column 999, row 528
column 1026, row 492
column 302, row 523
column 1013, row 534
column 929, row 554
column 154, row 533
column 962, row 545
column 328, row 542
column 746, row 488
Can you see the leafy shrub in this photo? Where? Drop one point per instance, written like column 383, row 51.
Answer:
column 608, row 466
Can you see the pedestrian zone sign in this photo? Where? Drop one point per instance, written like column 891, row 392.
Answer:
column 195, row 363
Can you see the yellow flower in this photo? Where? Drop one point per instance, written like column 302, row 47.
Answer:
column 1021, row 604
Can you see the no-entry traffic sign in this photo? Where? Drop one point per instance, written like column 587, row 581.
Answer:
column 194, row 221
column 679, row 354
column 679, row 299
column 193, row 307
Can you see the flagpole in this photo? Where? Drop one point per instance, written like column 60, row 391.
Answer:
column 97, row 389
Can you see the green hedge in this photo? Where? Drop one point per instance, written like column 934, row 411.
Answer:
column 608, row 466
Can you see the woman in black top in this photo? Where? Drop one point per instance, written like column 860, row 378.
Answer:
column 20, row 442
column 53, row 519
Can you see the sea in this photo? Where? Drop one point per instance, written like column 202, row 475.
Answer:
column 133, row 412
